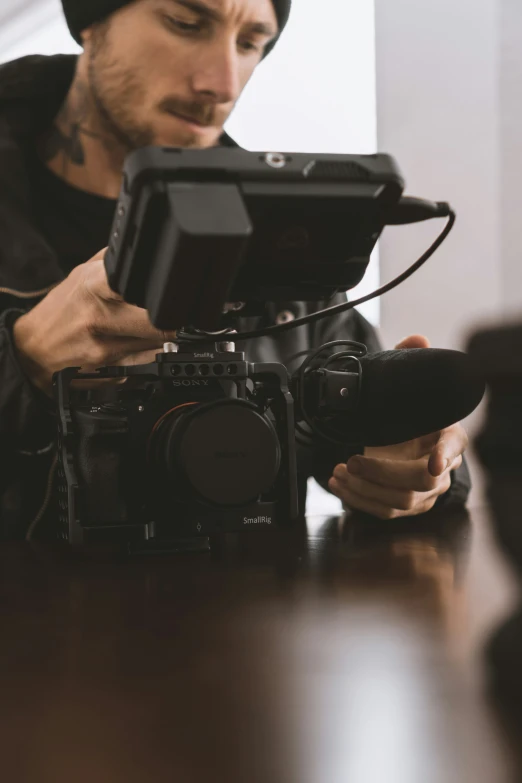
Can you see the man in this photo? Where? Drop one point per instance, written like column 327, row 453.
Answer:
column 165, row 72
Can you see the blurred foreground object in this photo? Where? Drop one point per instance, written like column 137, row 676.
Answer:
column 497, row 356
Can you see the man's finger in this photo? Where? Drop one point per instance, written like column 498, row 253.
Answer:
column 413, row 341
column 400, row 474
column 425, row 445
column 360, row 503
column 452, row 444
column 117, row 317
column 402, row 499
column 99, row 256
column 129, row 321
column 373, row 507
column 95, row 281
column 144, row 357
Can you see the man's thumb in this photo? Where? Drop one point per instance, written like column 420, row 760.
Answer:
column 414, row 341
column 99, row 256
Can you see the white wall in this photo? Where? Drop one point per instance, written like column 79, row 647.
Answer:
column 511, row 152
column 35, row 28
column 449, row 110
column 438, row 113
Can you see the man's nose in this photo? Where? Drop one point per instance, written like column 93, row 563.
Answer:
column 217, row 73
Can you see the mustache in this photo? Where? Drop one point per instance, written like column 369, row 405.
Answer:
column 204, row 114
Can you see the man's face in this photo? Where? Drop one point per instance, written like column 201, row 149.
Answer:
column 169, row 72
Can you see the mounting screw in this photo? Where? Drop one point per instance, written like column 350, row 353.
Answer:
column 275, row 159
column 227, row 347
column 344, row 393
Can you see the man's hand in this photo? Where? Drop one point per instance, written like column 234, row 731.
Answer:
column 403, row 480
column 83, row 323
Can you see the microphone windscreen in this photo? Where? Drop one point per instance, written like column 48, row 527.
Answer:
column 412, row 392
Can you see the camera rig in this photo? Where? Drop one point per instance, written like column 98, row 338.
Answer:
column 202, row 441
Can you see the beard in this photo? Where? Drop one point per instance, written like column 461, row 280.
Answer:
column 113, row 93
column 117, row 95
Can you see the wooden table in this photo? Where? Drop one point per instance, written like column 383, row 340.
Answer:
column 346, row 652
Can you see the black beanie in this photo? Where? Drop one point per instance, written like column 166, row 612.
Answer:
column 81, row 14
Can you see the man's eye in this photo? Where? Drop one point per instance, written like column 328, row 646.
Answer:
column 248, row 46
column 178, row 24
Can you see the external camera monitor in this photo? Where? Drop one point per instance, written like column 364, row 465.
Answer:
column 195, row 229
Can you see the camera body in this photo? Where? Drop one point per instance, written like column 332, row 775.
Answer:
column 197, row 443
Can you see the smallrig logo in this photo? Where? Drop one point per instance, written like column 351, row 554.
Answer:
column 190, row 383
column 257, row 520
column 203, row 355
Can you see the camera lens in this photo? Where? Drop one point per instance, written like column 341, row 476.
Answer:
column 226, row 452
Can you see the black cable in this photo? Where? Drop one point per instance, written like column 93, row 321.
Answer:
column 445, row 210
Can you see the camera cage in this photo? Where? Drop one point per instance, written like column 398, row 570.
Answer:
column 272, row 392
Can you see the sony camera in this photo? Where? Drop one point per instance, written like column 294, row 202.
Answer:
column 197, row 443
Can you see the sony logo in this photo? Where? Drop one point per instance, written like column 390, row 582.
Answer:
column 203, row 355
column 190, row 383
column 257, row 520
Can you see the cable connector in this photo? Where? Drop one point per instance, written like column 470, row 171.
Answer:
column 415, row 210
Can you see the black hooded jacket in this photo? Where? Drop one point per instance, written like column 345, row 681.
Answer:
column 31, row 92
